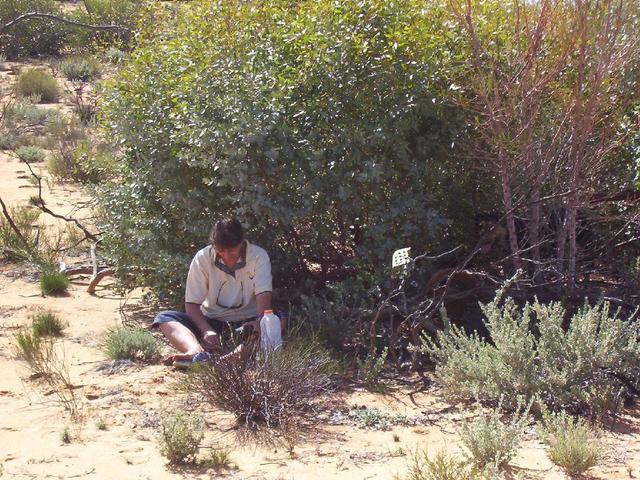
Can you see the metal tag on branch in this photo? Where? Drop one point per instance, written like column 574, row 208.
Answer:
column 400, row 261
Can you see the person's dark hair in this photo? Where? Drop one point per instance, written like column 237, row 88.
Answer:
column 226, row 233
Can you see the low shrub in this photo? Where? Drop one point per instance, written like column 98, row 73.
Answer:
column 180, row 437
column 31, row 154
column 8, row 140
column 133, row 344
column 583, row 367
column 30, row 115
column 37, row 82
column 219, row 458
column 32, row 349
column 442, row 467
column 114, row 55
column 11, row 245
column 571, row 443
column 47, row 324
column 53, row 282
column 65, row 436
column 80, row 68
column 370, row 368
column 490, row 441
column 273, row 390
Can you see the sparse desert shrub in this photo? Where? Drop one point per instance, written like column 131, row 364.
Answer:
column 219, row 458
column 370, row 368
column 273, row 390
column 133, row 344
column 32, row 349
column 571, row 443
column 101, row 424
column 442, row 467
column 25, row 219
column 8, row 140
column 37, row 82
column 114, row 55
column 27, row 114
column 490, row 441
column 47, row 324
column 53, row 282
column 65, row 436
column 80, row 68
column 31, row 154
column 3, row 58
column 583, row 368
column 180, row 437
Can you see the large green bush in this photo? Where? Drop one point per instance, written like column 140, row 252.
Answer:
column 320, row 124
column 31, row 37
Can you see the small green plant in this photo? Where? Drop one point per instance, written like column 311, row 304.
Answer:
column 396, row 437
column 133, row 344
column 31, row 349
column 8, row 140
column 220, row 458
column 47, row 324
column 53, row 282
column 571, row 443
column 369, row 370
column 180, row 437
column 79, row 68
column 374, row 418
column 114, row 55
column 3, row 58
column 37, row 82
column 101, row 424
column 31, row 154
column 490, row 441
column 25, row 113
column 65, row 436
column 441, row 467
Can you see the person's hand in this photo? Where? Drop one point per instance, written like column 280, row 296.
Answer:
column 211, row 340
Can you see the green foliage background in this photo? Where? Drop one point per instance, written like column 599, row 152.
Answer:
column 320, row 124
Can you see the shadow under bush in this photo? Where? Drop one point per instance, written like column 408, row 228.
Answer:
column 273, row 391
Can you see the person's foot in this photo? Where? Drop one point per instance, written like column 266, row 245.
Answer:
column 181, row 357
column 188, row 361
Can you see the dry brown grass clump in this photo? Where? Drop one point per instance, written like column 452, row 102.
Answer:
column 272, row 391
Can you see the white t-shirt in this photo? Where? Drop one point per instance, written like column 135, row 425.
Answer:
column 228, row 296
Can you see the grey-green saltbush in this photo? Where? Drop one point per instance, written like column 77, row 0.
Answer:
column 491, row 442
column 584, row 367
column 180, row 437
column 133, row 344
column 79, row 68
column 31, row 154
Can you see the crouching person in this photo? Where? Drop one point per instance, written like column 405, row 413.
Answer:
column 228, row 286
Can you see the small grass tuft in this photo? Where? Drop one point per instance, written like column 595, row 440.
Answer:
column 370, row 368
column 180, row 437
column 396, row 437
column 571, row 443
column 37, row 82
column 53, row 282
column 125, row 343
column 219, row 459
column 47, row 324
column 65, row 436
column 101, row 424
column 441, row 467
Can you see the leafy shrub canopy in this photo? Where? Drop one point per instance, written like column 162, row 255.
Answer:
column 317, row 123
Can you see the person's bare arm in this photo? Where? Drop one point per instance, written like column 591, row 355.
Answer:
column 263, row 300
column 209, row 337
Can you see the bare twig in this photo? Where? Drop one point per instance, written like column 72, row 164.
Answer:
column 49, row 16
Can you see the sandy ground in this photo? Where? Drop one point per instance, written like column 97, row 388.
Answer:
column 132, row 398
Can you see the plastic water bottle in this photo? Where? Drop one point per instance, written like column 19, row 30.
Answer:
column 270, row 332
